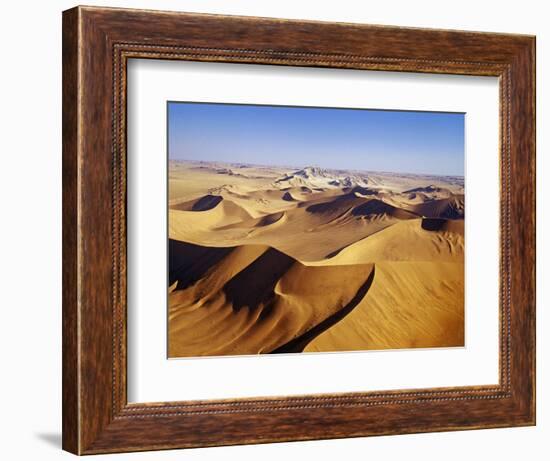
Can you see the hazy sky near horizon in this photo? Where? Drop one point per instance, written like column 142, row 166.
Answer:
column 357, row 139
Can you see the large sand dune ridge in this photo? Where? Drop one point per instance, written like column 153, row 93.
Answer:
column 281, row 260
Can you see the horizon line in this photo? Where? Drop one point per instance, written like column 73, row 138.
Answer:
column 314, row 166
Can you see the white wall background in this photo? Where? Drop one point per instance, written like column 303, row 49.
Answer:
column 30, row 231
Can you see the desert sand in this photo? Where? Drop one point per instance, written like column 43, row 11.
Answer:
column 267, row 259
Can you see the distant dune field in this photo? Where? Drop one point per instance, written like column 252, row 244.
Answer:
column 280, row 260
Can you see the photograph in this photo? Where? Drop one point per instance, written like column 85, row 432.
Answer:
column 313, row 229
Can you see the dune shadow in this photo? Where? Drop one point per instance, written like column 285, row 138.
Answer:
column 332, row 254
column 363, row 190
column 433, row 224
column 287, row 197
column 378, row 207
column 255, row 284
column 188, row 263
column 446, row 208
column 271, row 219
column 299, row 344
column 204, row 203
column 333, row 205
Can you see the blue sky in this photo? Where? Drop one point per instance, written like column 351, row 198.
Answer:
column 358, row 139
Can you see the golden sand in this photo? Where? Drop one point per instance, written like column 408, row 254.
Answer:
column 266, row 259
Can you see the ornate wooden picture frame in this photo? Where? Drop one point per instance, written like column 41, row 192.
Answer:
column 97, row 44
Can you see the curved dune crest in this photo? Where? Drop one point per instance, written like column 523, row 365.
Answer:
column 405, row 241
column 188, row 222
column 272, row 219
column 431, row 190
column 378, row 207
column 254, row 223
column 256, row 299
column 204, row 203
column 450, row 208
column 409, row 305
column 442, row 224
column 362, row 191
column 338, row 204
column 359, row 206
column 287, row 197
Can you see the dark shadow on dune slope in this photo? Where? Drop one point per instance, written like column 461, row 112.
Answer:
column 255, row 285
column 443, row 224
column 340, row 203
column 287, row 197
column 448, row 208
column 362, row 190
column 188, row 263
column 299, row 344
column 378, row 207
column 270, row 219
column 433, row 224
column 332, row 254
column 428, row 190
column 302, row 189
column 205, row 203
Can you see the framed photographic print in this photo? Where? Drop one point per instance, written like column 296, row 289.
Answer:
column 284, row 230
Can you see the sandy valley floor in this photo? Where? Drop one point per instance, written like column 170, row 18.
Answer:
column 280, row 259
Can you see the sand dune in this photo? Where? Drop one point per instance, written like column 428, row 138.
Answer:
column 452, row 208
column 279, row 260
column 266, row 220
column 253, row 299
column 431, row 191
column 410, row 304
column 411, row 240
column 223, row 211
column 378, row 207
column 287, row 196
column 351, row 217
column 204, row 203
